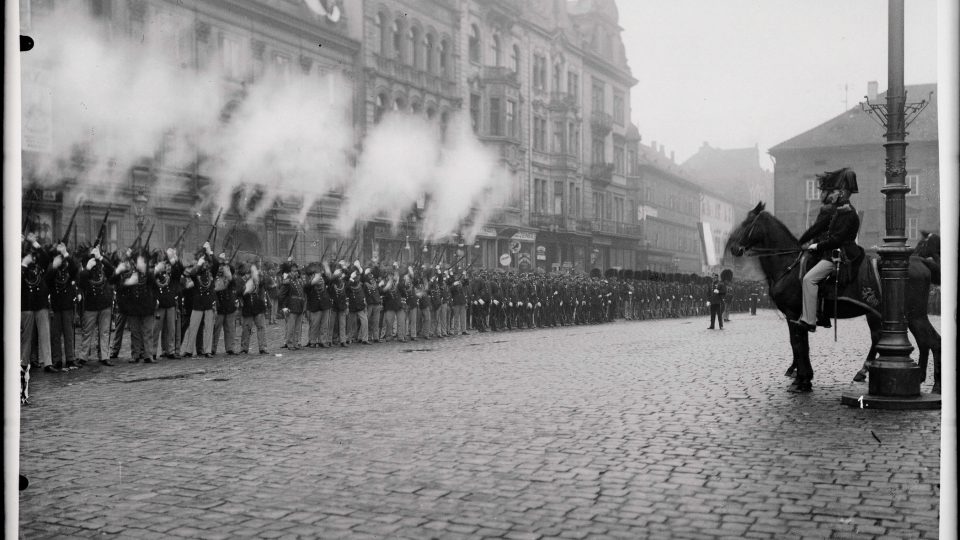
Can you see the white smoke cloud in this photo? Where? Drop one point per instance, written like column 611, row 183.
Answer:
column 120, row 101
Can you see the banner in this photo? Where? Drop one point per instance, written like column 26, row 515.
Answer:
column 706, row 243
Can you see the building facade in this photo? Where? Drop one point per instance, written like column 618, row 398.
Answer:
column 734, row 173
column 854, row 140
column 546, row 84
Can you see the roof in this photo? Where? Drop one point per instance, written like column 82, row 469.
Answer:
column 856, row 127
column 648, row 157
column 710, row 162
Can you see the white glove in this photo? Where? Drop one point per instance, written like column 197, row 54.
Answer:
column 284, row 276
column 481, row 301
column 132, row 280
column 57, row 261
column 529, row 305
column 122, row 267
column 510, row 304
column 813, row 247
column 538, row 304
column 496, row 303
column 27, row 259
column 91, row 263
column 716, row 291
column 206, row 247
column 708, row 304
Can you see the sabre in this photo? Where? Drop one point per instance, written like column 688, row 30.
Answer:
column 66, row 234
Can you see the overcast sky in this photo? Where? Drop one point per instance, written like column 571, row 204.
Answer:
column 736, row 73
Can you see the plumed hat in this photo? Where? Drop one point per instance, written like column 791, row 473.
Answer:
column 844, row 178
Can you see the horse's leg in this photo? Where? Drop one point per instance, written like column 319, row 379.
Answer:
column 804, row 381
column 928, row 340
column 875, row 327
column 915, row 326
column 794, row 348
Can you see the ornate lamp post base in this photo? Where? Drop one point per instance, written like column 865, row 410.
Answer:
column 899, row 403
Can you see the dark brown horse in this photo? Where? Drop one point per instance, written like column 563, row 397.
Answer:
column 778, row 250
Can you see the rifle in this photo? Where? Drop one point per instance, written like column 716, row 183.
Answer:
column 146, row 243
column 213, row 229
column 136, row 243
column 183, row 233
column 354, row 246
column 293, row 244
column 339, row 247
column 103, row 227
column 325, row 248
column 66, row 234
column 396, row 258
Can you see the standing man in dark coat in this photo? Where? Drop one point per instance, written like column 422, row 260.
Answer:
column 202, row 303
column 166, row 275
column 374, row 302
column 356, row 297
column 253, row 304
column 836, row 227
column 717, row 292
column 225, row 285
column 35, row 304
column 63, row 295
column 136, row 300
column 97, row 298
column 293, row 303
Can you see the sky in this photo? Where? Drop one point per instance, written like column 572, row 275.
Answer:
column 739, row 73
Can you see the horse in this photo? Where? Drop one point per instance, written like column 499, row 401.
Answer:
column 779, row 252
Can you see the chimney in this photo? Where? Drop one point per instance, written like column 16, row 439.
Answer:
column 872, row 90
column 705, row 144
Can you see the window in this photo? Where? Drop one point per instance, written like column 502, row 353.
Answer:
column 618, row 209
column 230, row 58
column 444, row 58
column 576, row 205
column 631, row 162
column 597, row 205
column 558, row 198
column 429, row 45
column 598, row 101
column 383, row 32
column 474, row 44
column 112, row 240
column 540, row 196
column 913, row 228
column 496, row 50
column 573, row 85
column 397, row 31
column 415, row 54
column 557, row 70
column 571, row 139
column 511, row 118
column 599, row 152
column 813, row 193
column 281, row 64
column 618, row 108
column 539, row 133
column 379, row 108
column 572, row 204
column 619, row 161
column 475, row 112
column 539, row 72
column 516, row 59
column 913, row 180
column 558, row 137
column 495, row 123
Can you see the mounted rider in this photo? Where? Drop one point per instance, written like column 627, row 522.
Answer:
column 836, row 227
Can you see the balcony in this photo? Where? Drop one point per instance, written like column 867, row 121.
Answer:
column 553, row 222
column 564, row 161
column 494, row 74
column 601, row 122
column 407, row 74
column 600, row 172
column 562, row 101
column 609, row 226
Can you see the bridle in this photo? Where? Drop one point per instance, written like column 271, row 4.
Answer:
column 760, row 251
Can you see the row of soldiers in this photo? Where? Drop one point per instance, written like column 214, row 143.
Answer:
column 173, row 310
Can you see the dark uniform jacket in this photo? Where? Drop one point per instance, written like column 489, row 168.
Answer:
column 717, row 297
column 458, row 296
column 391, row 299
column 255, row 302
column 372, row 293
column 167, row 286
column 338, row 293
column 356, row 296
column 95, row 286
column 227, row 296
column 136, row 300
column 204, row 297
column 62, row 286
column 835, row 227
column 318, row 299
column 292, row 296
column 34, row 291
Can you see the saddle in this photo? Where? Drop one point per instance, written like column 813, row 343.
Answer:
column 856, row 283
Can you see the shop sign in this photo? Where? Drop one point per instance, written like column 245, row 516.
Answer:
column 505, row 259
column 541, row 253
column 524, row 236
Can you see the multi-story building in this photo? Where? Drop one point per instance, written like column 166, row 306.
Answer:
column 853, row 139
column 718, row 214
column 242, row 40
column 669, row 209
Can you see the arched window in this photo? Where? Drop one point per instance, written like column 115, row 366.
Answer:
column 431, row 112
column 380, row 107
column 413, row 46
column 400, row 104
column 495, row 46
column 515, row 57
column 445, row 58
column 398, row 40
column 430, row 64
column 382, row 35
column 474, row 45
column 416, row 107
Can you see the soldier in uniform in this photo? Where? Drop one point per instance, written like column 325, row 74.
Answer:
column 253, row 304
column 226, row 288
column 717, row 292
column 34, row 304
column 357, row 298
column 63, row 295
column 292, row 302
column 201, row 277
column 458, row 303
column 337, row 289
column 836, row 227
column 315, row 291
column 374, row 302
column 391, row 307
column 97, row 296
column 137, row 302
column 167, row 275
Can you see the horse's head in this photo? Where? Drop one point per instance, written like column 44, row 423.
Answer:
column 929, row 245
column 749, row 233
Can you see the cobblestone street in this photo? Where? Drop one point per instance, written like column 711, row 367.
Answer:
column 653, row 429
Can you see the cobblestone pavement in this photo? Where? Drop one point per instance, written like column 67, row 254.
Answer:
column 654, row 429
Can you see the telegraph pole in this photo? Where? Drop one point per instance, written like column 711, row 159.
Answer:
column 894, row 379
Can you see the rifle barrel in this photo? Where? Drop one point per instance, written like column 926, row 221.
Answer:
column 73, row 216
column 293, row 244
